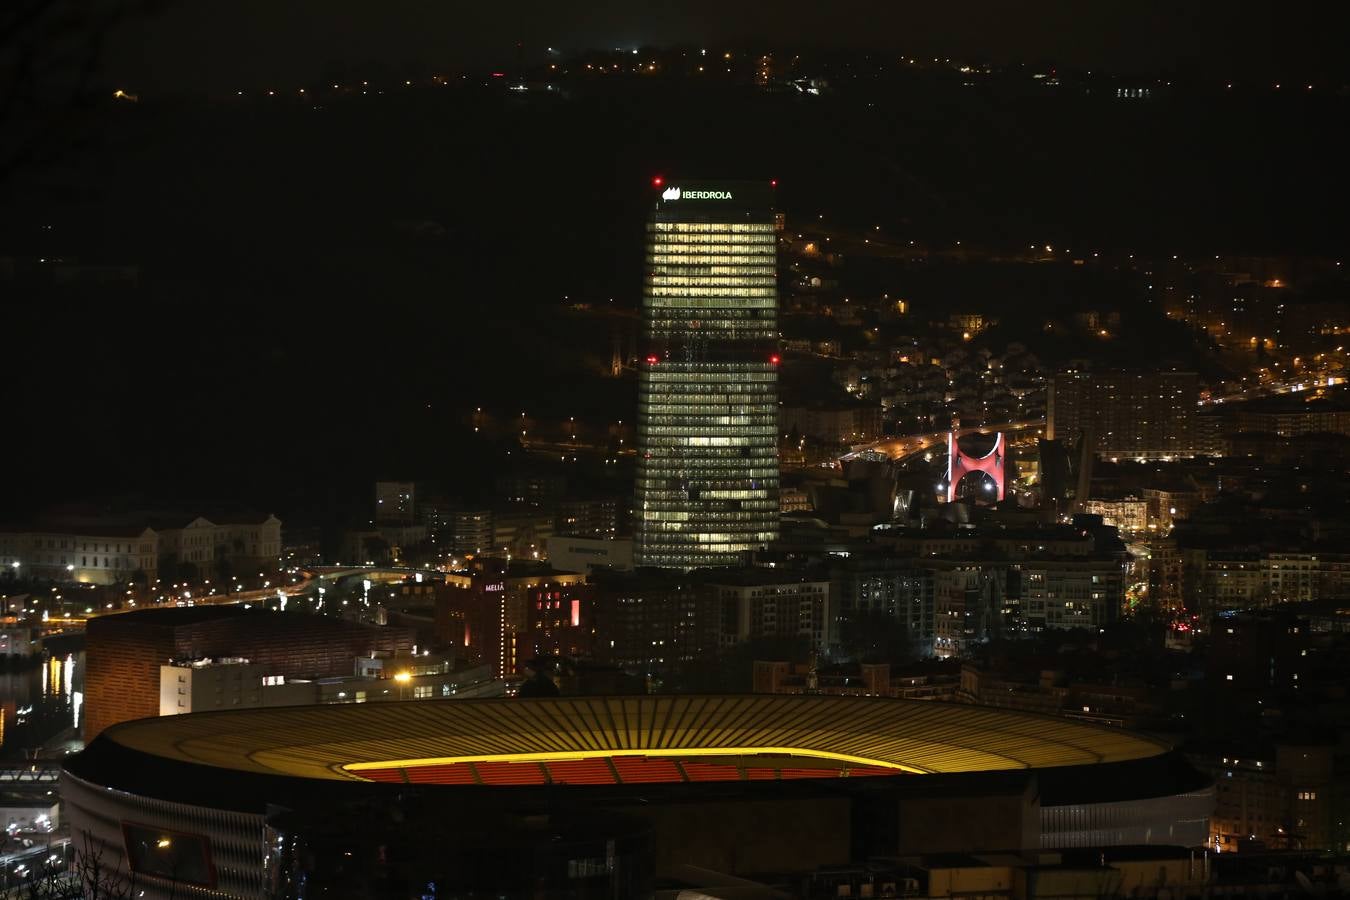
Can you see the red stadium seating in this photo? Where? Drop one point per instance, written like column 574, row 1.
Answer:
column 509, row 773
column 455, row 773
column 711, row 772
column 641, row 770
column 581, row 771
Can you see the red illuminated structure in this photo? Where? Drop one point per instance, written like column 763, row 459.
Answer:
column 960, row 464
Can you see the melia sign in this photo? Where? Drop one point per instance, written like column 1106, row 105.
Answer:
column 674, row 193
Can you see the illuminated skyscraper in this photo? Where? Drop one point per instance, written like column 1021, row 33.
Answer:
column 707, row 473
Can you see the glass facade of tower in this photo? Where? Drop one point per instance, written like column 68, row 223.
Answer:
column 707, row 469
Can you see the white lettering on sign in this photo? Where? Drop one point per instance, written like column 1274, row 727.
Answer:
column 674, row 193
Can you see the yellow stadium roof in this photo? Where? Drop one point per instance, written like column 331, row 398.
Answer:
column 342, row 741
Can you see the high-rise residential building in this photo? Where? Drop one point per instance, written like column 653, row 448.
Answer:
column 866, row 587
column 589, row 516
column 461, row 530
column 842, row 423
column 759, row 603
column 1127, row 415
column 1071, row 593
column 707, row 476
column 659, row 624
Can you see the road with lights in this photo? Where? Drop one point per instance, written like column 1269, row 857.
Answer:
column 907, row 445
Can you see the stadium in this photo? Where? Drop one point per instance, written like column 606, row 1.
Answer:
column 602, row 796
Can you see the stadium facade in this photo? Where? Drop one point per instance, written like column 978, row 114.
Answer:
column 601, row 797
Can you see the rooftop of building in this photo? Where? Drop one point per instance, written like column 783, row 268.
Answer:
column 1135, row 852
column 951, row 861
column 81, row 529
column 207, row 662
column 295, row 757
column 942, row 530
column 761, row 576
column 176, row 616
column 489, row 567
column 913, row 669
column 93, row 521
column 1142, row 371
column 182, row 616
column 368, row 741
column 1333, row 400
